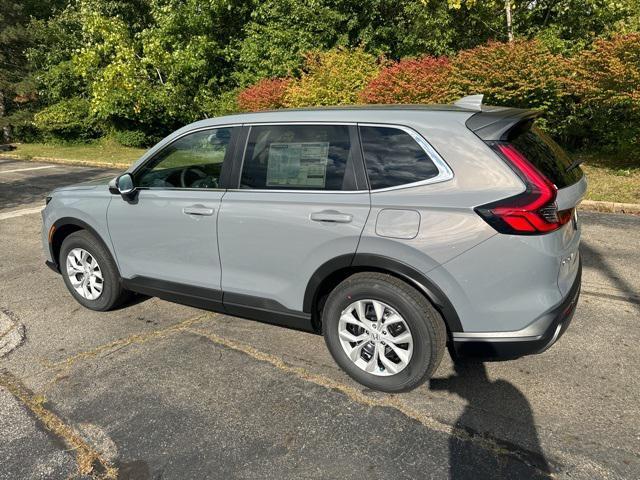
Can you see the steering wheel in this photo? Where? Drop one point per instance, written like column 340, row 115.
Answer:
column 197, row 171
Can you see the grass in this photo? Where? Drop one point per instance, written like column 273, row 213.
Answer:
column 104, row 152
column 612, row 178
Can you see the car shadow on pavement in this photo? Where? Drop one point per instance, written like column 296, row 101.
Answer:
column 489, row 404
column 592, row 258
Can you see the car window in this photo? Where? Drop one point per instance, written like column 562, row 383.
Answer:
column 193, row 161
column 298, row 157
column 393, row 157
column 545, row 154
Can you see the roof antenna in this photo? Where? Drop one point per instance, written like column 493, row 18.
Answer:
column 472, row 102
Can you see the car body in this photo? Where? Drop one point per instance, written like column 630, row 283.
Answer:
column 262, row 215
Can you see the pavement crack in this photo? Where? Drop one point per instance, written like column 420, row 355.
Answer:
column 88, row 460
column 12, row 332
column 64, row 366
column 489, row 443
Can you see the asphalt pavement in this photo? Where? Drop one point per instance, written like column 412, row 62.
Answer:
column 158, row 390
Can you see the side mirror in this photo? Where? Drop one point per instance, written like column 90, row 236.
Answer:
column 124, row 185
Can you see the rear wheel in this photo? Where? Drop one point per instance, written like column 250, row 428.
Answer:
column 90, row 273
column 383, row 332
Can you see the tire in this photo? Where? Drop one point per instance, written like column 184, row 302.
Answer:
column 112, row 294
column 422, row 321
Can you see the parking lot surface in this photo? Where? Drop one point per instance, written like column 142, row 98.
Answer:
column 158, row 390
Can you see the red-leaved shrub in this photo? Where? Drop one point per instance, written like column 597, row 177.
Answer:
column 412, row 80
column 267, row 94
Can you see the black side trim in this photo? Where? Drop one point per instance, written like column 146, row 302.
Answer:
column 493, row 124
column 245, row 306
column 380, row 262
column 52, row 265
column 266, row 310
column 430, row 289
column 322, row 273
column 200, row 297
column 64, row 221
column 496, row 349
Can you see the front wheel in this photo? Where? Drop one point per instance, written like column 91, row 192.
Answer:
column 383, row 332
column 90, row 272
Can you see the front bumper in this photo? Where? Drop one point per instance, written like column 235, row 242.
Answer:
column 507, row 345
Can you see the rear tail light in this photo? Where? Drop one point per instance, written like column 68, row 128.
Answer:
column 531, row 212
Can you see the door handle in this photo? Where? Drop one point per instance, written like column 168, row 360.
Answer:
column 198, row 210
column 331, row 216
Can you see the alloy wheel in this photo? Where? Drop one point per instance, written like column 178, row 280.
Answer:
column 375, row 337
column 84, row 274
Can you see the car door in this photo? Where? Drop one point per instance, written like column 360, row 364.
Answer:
column 300, row 202
column 165, row 237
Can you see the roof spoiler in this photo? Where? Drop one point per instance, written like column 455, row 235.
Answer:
column 495, row 123
column 471, row 102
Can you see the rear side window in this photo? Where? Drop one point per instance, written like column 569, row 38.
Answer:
column 298, row 157
column 393, row 158
column 545, row 154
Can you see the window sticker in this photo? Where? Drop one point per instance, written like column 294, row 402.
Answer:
column 297, row 164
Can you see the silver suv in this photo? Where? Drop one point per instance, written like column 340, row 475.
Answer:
column 395, row 231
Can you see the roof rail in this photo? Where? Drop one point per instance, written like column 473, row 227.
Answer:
column 472, row 102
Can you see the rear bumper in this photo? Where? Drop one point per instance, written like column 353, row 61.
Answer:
column 547, row 329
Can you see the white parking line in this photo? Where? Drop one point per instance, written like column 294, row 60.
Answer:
column 20, row 213
column 25, row 169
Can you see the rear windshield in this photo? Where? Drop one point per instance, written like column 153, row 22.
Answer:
column 545, row 154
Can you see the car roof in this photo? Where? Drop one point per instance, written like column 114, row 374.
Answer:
column 372, row 113
column 346, row 113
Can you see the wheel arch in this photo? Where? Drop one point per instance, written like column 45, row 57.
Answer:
column 334, row 271
column 62, row 228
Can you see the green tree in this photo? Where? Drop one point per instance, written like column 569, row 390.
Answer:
column 16, row 85
column 334, row 77
column 570, row 25
column 147, row 66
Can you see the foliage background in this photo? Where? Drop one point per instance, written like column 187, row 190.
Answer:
column 77, row 70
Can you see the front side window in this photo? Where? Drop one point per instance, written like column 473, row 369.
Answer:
column 298, row 157
column 394, row 158
column 193, row 161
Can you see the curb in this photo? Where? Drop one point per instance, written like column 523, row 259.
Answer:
column 65, row 161
column 610, row 207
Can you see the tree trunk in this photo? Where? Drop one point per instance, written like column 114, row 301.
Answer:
column 6, row 130
column 507, row 7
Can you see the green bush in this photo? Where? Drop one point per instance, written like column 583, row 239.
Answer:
column 225, row 103
column 132, row 138
column 67, row 120
column 334, row 77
